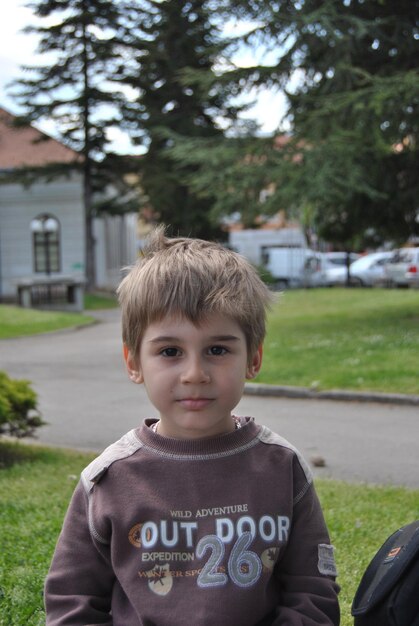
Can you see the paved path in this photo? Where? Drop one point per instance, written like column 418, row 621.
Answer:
column 88, row 402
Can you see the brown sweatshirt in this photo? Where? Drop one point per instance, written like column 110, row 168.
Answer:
column 224, row 531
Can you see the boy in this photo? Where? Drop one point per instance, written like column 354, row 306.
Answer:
column 197, row 516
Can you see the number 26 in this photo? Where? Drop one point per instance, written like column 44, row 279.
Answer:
column 244, row 566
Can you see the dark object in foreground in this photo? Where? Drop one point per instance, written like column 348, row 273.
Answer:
column 388, row 592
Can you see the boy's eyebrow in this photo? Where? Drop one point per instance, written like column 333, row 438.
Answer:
column 163, row 338
column 225, row 338
column 170, row 338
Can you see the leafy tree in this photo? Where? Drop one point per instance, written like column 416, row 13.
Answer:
column 350, row 70
column 355, row 112
column 176, row 45
column 233, row 172
column 74, row 89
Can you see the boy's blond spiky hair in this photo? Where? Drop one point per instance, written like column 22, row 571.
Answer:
column 191, row 278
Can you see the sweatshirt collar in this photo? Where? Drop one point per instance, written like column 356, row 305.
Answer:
column 221, row 445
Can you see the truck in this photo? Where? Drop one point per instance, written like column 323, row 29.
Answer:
column 294, row 267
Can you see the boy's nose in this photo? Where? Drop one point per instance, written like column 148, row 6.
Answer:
column 195, row 372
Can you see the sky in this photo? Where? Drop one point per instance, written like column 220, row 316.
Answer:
column 17, row 49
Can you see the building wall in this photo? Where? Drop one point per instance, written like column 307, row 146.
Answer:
column 251, row 243
column 18, row 207
column 116, row 247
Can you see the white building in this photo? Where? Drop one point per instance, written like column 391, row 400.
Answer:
column 42, row 229
column 252, row 242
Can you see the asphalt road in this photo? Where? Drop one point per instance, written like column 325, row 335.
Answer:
column 89, row 402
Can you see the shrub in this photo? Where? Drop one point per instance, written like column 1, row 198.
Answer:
column 266, row 275
column 19, row 415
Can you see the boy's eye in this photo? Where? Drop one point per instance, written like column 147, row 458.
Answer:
column 170, row 352
column 217, row 350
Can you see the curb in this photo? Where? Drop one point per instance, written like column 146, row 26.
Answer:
column 279, row 391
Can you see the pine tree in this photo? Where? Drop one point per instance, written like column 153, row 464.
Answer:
column 356, row 110
column 176, row 42
column 74, row 88
column 351, row 73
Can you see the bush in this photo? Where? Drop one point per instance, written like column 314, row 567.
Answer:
column 19, row 415
column 266, row 276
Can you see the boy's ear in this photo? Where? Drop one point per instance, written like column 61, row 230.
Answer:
column 255, row 365
column 133, row 369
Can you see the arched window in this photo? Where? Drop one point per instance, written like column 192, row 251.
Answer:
column 46, row 244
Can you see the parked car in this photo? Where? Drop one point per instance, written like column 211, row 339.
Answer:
column 367, row 271
column 403, row 268
column 339, row 258
column 318, row 263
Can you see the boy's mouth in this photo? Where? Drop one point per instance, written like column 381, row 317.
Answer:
column 194, row 404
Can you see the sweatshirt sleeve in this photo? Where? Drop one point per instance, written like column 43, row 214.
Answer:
column 306, row 573
column 78, row 588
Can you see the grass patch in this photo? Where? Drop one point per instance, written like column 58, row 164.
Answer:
column 360, row 518
column 34, row 492
column 17, row 322
column 361, row 339
column 97, row 301
column 36, row 488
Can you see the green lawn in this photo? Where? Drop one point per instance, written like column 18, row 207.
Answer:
column 17, row 322
column 363, row 339
column 35, row 492
column 95, row 301
column 33, row 498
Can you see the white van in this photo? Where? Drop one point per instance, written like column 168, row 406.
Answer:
column 293, row 267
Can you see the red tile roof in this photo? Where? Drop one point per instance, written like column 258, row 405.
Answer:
column 17, row 147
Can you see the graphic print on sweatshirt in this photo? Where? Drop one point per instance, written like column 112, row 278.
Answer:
column 215, row 546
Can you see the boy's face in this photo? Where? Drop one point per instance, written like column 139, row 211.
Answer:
column 194, row 375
